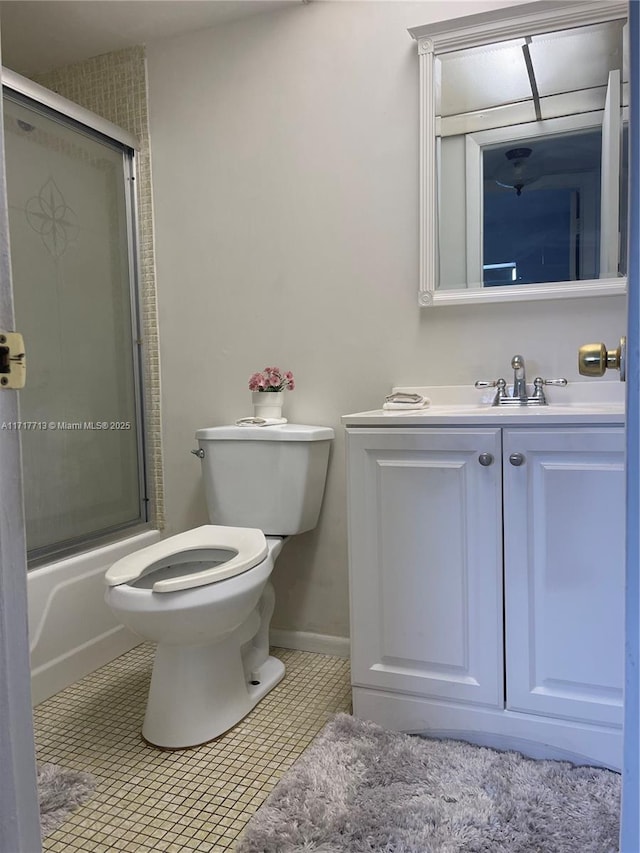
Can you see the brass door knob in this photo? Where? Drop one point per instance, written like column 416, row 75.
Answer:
column 595, row 359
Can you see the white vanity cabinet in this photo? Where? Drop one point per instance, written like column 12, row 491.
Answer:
column 487, row 584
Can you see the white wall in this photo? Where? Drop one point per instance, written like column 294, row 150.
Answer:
column 285, row 172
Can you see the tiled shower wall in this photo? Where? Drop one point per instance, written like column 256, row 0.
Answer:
column 115, row 87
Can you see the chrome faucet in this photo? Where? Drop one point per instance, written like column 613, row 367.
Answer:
column 519, row 378
column 519, row 395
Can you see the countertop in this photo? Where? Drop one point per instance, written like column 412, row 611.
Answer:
column 581, row 403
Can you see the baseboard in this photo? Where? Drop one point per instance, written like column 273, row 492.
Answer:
column 305, row 641
column 56, row 674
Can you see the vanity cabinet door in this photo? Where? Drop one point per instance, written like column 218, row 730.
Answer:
column 564, row 509
column 425, row 557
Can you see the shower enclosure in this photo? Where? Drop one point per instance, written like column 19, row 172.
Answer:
column 73, row 255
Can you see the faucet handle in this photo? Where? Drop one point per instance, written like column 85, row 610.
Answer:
column 499, row 384
column 539, row 382
column 484, row 383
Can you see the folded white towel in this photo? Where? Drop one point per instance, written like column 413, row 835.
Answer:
column 261, row 422
column 404, row 397
column 406, row 406
column 400, row 401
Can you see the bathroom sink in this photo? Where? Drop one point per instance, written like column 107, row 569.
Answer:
column 578, row 402
column 584, row 395
column 487, row 410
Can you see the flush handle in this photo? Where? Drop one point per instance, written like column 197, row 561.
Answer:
column 199, row 453
column 596, row 359
column 485, row 459
column 517, row 459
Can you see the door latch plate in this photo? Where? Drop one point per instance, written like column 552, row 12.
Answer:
column 13, row 363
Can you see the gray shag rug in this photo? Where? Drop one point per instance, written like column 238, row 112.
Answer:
column 361, row 789
column 59, row 792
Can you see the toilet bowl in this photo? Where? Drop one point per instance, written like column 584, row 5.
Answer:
column 204, row 595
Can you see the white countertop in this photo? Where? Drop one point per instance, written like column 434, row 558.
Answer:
column 463, row 405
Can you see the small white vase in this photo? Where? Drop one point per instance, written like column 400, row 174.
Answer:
column 267, row 404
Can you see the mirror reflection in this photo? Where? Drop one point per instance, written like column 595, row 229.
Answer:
column 531, row 159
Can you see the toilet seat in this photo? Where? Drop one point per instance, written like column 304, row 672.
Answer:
column 247, row 545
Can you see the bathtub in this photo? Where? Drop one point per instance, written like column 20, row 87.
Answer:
column 72, row 631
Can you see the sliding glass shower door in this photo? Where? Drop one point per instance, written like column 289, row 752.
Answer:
column 70, row 218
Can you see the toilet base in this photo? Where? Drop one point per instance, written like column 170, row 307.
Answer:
column 268, row 675
column 197, row 693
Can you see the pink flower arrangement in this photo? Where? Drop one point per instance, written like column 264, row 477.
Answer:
column 272, row 379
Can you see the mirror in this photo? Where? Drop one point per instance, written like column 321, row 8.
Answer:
column 524, row 146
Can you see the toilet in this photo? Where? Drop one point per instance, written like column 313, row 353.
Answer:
column 204, row 596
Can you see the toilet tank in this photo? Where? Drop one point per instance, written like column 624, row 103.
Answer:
column 269, row 477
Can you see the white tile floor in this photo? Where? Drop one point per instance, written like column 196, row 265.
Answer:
column 191, row 800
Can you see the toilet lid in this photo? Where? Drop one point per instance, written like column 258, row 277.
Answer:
column 247, row 547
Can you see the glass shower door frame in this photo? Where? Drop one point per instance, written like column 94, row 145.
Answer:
column 24, row 91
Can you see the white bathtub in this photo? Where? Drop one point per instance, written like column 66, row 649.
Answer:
column 72, row 630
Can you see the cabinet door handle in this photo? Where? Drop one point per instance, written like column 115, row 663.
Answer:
column 485, row 459
column 516, row 459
